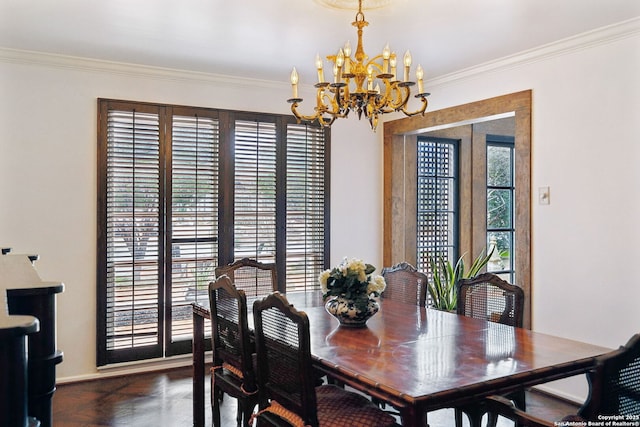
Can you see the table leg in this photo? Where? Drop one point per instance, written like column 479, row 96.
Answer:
column 412, row 417
column 198, row 370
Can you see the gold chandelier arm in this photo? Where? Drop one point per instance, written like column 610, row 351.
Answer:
column 421, row 110
column 323, row 114
column 295, row 102
column 324, row 121
column 385, row 104
column 375, row 64
column 395, row 98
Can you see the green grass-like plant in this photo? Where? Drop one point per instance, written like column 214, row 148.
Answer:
column 444, row 277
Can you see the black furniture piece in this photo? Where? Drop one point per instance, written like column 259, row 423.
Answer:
column 13, row 369
column 232, row 372
column 27, row 294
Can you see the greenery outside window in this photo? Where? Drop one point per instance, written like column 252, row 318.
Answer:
column 500, row 206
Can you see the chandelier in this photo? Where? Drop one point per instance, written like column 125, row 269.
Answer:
column 369, row 87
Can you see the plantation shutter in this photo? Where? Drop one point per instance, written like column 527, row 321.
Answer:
column 167, row 175
column 133, row 251
column 194, row 217
column 305, row 225
column 255, row 190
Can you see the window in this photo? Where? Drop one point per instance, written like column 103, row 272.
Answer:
column 437, row 199
column 500, row 206
column 193, row 214
column 255, row 191
column 307, row 218
column 493, row 186
column 182, row 190
column 440, row 229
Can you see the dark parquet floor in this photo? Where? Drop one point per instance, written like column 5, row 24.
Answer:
column 163, row 399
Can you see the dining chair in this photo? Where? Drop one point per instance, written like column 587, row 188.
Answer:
column 405, row 284
column 233, row 371
column 488, row 297
column 255, row 278
column 288, row 392
column 614, row 389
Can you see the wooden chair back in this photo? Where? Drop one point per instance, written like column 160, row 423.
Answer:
column 488, row 297
column 255, row 278
column 499, row 405
column 615, row 383
column 405, row 284
column 285, row 372
column 230, row 337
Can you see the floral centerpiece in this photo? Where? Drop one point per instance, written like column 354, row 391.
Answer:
column 352, row 285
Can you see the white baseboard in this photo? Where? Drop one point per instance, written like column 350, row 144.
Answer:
column 129, row 368
column 562, row 395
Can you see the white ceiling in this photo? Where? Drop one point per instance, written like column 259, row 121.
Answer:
column 264, row 39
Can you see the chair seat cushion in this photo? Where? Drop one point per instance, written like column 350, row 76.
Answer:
column 338, row 407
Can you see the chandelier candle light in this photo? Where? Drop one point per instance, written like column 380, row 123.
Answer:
column 357, row 84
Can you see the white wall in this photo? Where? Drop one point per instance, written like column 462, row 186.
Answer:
column 48, row 122
column 586, row 148
column 356, row 192
column 586, row 105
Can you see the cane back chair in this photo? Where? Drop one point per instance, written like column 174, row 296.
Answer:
column 288, row 392
column 232, row 372
column 490, row 298
column 614, row 389
column 615, row 383
column 405, row 284
column 255, row 278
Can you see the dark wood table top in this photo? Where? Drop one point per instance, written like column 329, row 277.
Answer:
column 431, row 359
column 421, row 359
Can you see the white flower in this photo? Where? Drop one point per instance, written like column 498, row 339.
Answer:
column 376, row 285
column 351, row 277
column 323, row 280
column 356, row 267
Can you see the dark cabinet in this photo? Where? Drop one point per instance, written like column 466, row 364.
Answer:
column 27, row 295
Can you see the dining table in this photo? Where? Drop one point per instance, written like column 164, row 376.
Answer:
column 419, row 359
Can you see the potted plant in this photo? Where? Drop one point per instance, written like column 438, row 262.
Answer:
column 444, row 276
column 351, row 285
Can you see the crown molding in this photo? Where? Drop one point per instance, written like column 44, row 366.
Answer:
column 597, row 37
column 582, row 41
column 353, row 4
column 127, row 69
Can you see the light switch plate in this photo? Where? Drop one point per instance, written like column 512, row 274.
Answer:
column 544, row 196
